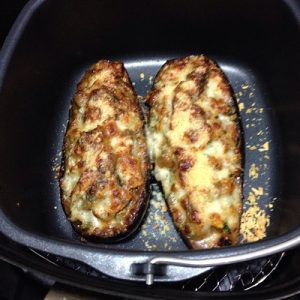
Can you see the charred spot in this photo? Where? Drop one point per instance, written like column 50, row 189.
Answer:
column 198, row 76
column 119, row 180
column 77, row 223
column 116, row 204
column 185, row 164
column 80, row 164
column 72, row 130
column 224, row 241
column 179, row 151
column 197, row 111
column 179, row 64
column 132, row 161
column 184, row 203
column 92, row 137
column 92, row 190
column 220, row 105
column 200, row 79
column 234, row 133
column 187, row 230
column 106, row 164
column 101, row 166
column 110, row 128
column 226, row 144
column 224, row 87
column 151, row 97
column 192, row 136
column 79, row 148
column 101, row 183
column 177, row 216
column 92, row 114
column 216, row 126
column 195, row 216
column 226, row 186
column 216, row 163
column 85, row 178
column 131, row 215
column 116, row 193
column 182, row 178
column 79, row 94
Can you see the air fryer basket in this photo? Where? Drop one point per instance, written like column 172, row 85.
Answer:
column 50, row 46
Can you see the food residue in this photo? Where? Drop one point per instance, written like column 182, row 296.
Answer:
column 264, row 147
column 253, row 171
column 253, row 224
column 157, row 225
column 241, row 106
column 142, row 76
column 255, row 219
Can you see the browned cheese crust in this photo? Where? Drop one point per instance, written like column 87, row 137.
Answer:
column 194, row 142
column 105, row 181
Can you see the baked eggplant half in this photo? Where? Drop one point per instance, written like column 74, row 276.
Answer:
column 194, row 142
column 105, row 179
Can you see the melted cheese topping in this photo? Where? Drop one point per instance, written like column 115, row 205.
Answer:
column 193, row 138
column 106, row 165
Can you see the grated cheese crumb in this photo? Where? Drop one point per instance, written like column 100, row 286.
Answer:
column 258, row 191
column 241, row 106
column 253, row 171
column 253, row 224
column 252, row 147
column 264, row 147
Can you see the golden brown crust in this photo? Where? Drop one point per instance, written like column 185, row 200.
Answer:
column 194, row 141
column 106, row 166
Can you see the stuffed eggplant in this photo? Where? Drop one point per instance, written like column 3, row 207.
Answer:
column 194, row 142
column 104, row 186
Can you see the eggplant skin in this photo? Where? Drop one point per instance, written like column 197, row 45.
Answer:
column 194, row 142
column 104, row 188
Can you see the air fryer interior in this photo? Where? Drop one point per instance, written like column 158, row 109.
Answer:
column 256, row 42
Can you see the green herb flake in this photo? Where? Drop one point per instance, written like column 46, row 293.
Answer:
column 226, row 229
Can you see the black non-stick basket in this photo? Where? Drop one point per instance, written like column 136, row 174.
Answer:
column 53, row 42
